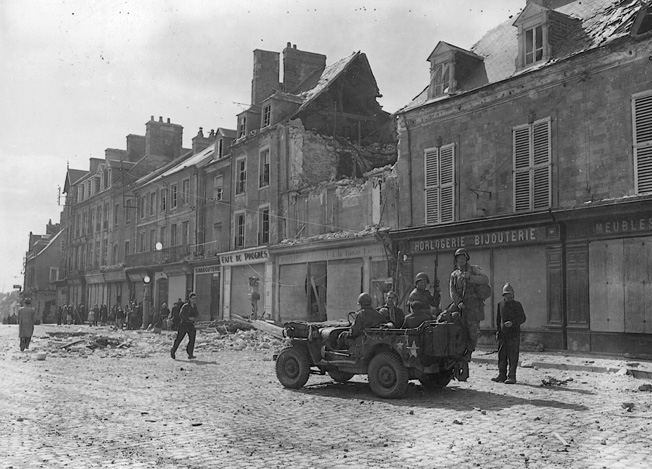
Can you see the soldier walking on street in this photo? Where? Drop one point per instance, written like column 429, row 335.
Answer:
column 469, row 287
column 188, row 315
column 509, row 317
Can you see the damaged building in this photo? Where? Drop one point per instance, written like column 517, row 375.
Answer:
column 309, row 171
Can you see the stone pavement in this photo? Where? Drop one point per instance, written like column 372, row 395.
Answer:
column 133, row 406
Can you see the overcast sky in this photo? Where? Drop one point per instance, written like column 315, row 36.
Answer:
column 76, row 77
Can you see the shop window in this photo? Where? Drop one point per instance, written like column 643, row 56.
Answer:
column 532, row 166
column 642, row 126
column 263, row 168
column 440, row 184
column 239, row 230
column 263, row 225
column 241, row 175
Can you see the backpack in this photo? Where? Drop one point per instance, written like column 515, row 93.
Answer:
column 483, row 291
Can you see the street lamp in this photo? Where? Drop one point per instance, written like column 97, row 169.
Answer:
column 146, row 282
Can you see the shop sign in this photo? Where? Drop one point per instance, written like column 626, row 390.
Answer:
column 246, row 257
column 332, row 254
column 622, row 226
column 208, row 270
column 492, row 238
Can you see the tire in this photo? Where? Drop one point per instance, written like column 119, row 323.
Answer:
column 436, row 380
column 388, row 377
column 293, row 367
column 340, row 376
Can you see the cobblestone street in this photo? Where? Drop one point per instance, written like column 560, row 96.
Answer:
column 140, row 408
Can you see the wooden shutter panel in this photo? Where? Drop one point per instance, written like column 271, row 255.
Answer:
column 643, row 143
column 446, row 182
column 522, row 168
column 431, row 170
column 541, row 162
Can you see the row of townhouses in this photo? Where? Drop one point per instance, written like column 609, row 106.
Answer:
column 532, row 149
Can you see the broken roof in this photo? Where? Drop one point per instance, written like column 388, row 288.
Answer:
column 601, row 22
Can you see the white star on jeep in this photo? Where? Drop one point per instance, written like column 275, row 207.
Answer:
column 400, row 345
column 413, row 349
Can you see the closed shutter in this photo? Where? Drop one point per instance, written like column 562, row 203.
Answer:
column 532, row 166
column 642, row 115
column 440, row 184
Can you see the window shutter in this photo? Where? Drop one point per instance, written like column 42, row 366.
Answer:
column 541, row 160
column 521, row 168
column 431, row 162
column 642, row 110
column 446, row 182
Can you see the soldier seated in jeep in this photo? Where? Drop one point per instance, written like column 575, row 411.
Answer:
column 365, row 317
column 419, row 313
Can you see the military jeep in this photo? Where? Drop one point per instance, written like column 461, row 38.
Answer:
column 432, row 353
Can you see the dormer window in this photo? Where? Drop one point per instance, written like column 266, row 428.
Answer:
column 534, row 45
column 242, row 127
column 453, row 69
column 267, row 116
column 441, row 80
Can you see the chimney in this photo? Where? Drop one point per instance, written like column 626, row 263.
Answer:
column 163, row 139
column 299, row 65
column 200, row 142
column 265, row 78
column 135, row 147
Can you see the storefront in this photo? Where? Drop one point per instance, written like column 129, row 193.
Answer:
column 207, row 287
column 322, row 280
column 96, row 290
column 609, row 273
column 247, row 283
column 527, row 254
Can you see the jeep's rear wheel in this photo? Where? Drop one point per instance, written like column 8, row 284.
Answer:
column 436, row 380
column 340, row 376
column 293, row 367
column 387, row 375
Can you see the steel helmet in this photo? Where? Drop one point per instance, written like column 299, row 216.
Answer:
column 508, row 289
column 364, row 299
column 421, row 276
column 462, row 251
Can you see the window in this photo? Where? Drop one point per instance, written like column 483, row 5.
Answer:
column 185, row 191
column 152, row 240
column 54, row 274
column 141, row 207
column 642, row 115
column 152, row 203
column 91, row 254
column 440, row 184
column 105, row 223
column 97, row 184
column 114, row 258
column 161, row 236
column 220, row 148
column 127, row 248
column 164, row 200
column 115, row 214
column 532, row 168
column 242, row 127
column 107, row 178
column 218, row 187
column 267, row 115
column 173, row 235
column 128, row 208
column 263, row 225
column 98, row 254
column 239, row 229
column 141, row 241
column 533, row 45
column 84, row 223
column 441, row 80
column 263, row 168
column 175, row 193
column 241, row 176
column 185, row 233
column 105, row 251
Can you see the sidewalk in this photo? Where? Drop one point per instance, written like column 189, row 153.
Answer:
column 572, row 361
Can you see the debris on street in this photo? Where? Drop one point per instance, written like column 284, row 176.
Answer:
column 551, row 381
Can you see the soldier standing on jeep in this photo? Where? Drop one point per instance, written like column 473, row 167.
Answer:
column 468, row 295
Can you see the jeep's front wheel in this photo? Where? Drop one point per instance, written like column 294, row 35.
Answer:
column 436, row 380
column 340, row 376
column 293, row 367
column 388, row 377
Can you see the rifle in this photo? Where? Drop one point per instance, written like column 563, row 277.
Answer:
column 437, row 292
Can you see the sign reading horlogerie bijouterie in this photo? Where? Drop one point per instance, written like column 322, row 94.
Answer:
column 517, row 236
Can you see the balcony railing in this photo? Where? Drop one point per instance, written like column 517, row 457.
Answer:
column 164, row 256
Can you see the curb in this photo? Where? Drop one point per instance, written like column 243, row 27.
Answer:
column 639, row 374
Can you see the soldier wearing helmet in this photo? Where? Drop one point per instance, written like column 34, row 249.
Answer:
column 509, row 317
column 467, row 286
column 423, row 295
column 365, row 317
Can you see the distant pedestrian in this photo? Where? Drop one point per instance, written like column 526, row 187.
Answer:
column 69, row 314
column 509, row 317
column 188, row 315
column 120, row 317
column 162, row 315
column 26, row 320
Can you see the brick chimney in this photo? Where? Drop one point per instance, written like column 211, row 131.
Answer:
column 299, row 65
column 266, row 72
column 135, row 147
column 200, row 142
column 163, row 138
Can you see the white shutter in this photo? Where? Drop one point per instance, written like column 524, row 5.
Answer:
column 541, row 163
column 431, row 171
column 522, row 168
column 446, row 183
column 642, row 115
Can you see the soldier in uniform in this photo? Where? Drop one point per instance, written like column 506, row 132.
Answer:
column 509, row 317
column 466, row 295
column 392, row 313
column 423, row 295
column 365, row 317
